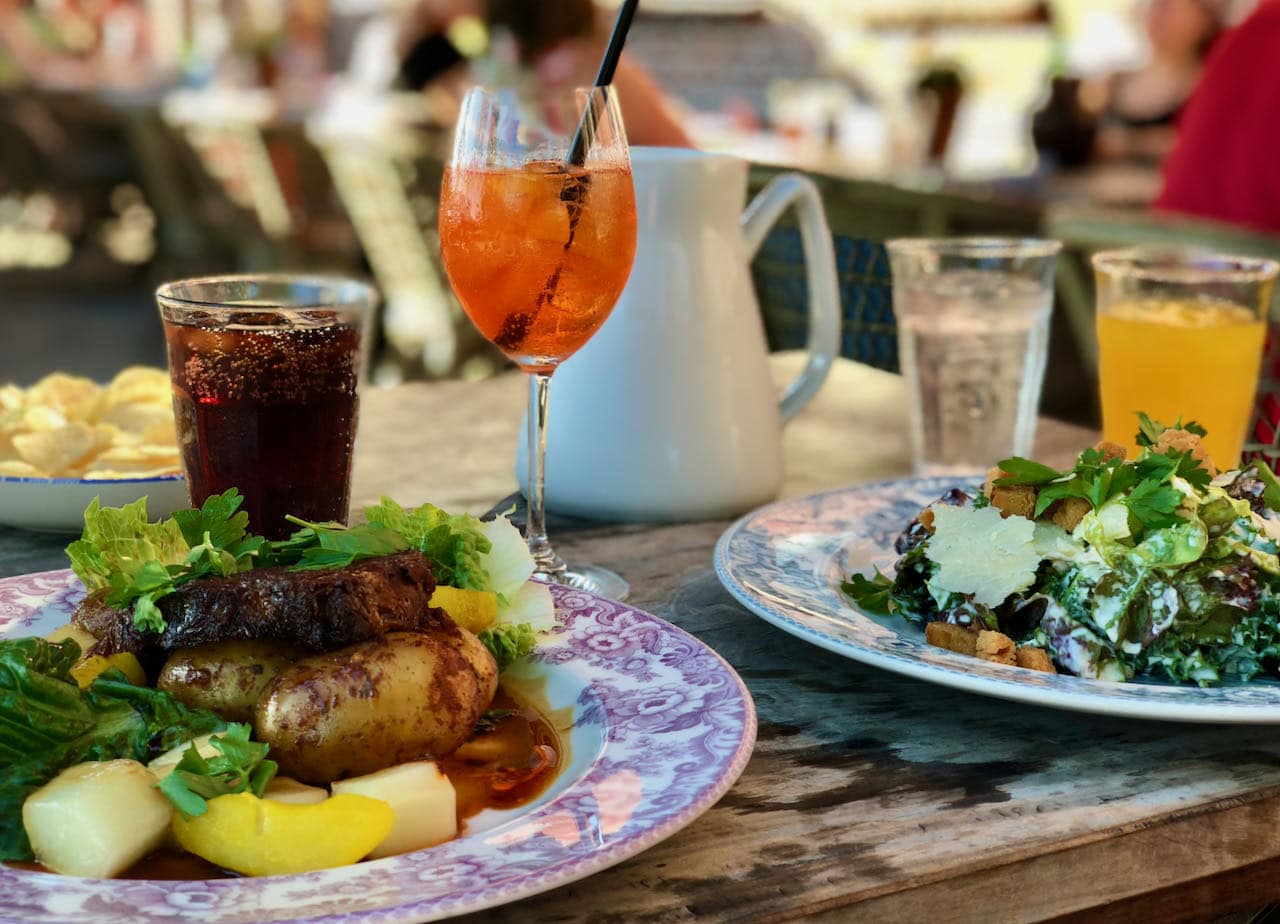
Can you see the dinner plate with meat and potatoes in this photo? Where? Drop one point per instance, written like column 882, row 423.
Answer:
column 390, row 722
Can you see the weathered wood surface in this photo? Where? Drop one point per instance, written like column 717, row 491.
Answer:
column 870, row 796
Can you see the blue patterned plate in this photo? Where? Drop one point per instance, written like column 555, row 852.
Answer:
column 661, row 728
column 785, row 562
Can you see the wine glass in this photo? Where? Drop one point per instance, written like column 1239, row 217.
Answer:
column 538, row 233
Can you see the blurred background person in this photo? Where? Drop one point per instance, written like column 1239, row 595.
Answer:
column 1224, row 163
column 551, row 45
column 71, row 45
column 1139, row 107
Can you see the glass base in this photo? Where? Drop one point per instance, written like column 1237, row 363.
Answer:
column 593, row 579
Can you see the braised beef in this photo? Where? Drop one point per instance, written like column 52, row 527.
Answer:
column 313, row 610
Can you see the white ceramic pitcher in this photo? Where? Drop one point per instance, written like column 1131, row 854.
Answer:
column 669, row 412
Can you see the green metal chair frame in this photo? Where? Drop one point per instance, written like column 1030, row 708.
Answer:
column 1084, row 233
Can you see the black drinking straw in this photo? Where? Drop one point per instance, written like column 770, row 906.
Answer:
column 604, row 76
column 516, row 327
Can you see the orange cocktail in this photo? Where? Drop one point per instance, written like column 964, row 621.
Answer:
column 538, row 255
column 538, row 233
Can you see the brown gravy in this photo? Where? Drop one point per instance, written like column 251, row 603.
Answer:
column 503, row 767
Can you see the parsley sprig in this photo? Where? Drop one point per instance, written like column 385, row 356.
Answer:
column 873, row 594
column 1149, row 430
column 1145, row 485
column 240, row 766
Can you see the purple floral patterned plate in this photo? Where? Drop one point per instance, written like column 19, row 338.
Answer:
column 661, row 728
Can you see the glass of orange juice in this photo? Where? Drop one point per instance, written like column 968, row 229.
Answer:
column 1180, row 334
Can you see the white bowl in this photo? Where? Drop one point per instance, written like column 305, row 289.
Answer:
column 56, row 505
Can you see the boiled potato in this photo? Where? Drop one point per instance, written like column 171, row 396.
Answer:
column 224, row 677
column 284, row 789
column 403, row 697
column 480, row 659
column 96, row 819
column 423, row 799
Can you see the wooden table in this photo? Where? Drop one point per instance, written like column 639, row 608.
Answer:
column 870, row 796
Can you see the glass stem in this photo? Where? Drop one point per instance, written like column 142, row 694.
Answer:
column 547, row 563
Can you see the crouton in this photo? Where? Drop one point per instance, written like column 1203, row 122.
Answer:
column 992, row 474
column 1034, row 659
column 996, row 646
column 1068, row 512
column 1185, row 441
column 951, row 637
column 1017, row 500
column 925, row 519
column 1111, row 450
column 1012, row 500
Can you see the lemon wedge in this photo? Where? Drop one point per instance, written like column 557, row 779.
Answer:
column 475, row 610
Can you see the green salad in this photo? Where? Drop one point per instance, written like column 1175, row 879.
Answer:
column 1158, row 566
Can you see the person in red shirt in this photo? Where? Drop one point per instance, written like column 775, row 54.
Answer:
column 1225, row 164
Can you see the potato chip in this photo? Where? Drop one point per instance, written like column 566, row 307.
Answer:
column 16, row 468
column 10, row 426
column 138, row 458
column 11, row 398
column 135, row 419
column 76, row 398
column 62, row 451
column 112, row 474
column 42, row 418
column 57, row 451
column 138, row 385
column 65, row 425
column 162, row 432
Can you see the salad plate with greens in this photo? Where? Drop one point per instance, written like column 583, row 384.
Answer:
column 1146, row 586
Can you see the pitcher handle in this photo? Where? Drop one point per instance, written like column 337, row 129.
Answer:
column 820, row 267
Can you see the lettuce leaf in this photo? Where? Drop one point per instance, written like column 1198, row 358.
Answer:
column 509, row 643
column 47, row 723
column 118, row 543
column 455, row 545
column 531, row 604
column 508, row 560
column 135, row 563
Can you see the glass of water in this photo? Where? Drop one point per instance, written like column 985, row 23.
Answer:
column 973, row 337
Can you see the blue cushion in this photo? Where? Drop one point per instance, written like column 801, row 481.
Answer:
column 868, row 330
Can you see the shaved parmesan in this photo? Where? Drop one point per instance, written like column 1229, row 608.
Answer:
column 979, row 552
